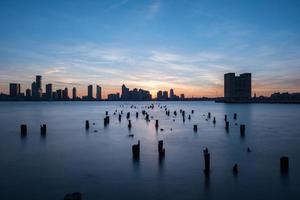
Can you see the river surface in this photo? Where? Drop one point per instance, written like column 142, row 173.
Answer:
column 98, row 162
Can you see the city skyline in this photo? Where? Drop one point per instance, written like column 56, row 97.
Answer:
column 185, row 45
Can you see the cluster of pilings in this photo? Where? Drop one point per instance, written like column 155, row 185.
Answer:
column 106, row 120
column 43, row 130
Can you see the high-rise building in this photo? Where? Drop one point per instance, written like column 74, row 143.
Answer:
column 125, row 93
column 165, row 95
column 14, row 89
column 49, row 91
column 74, row 94
column 38, row 81
column 171, row 94
column 90, row 92
column 159, row 95
column 59, row 94
column 182, row 96
column 237, row 87
column 98, row 92
column 65, row 94
column 33, row 90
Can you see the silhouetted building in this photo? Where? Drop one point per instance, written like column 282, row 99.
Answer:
column 65, row 94
column 49, row 91
column 38, row 82
column 28, row 93
column 59, row 94
column 165, row 95
column 135, row 94
column 159, row 95
column 74, row 93
column 113, row 97
column 98, row 93
column 14, row 89
column 181, row 96
column 171, row 94
column 90, row 92
column 125, row 93
column 237, row 88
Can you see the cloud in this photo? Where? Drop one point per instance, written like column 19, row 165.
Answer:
column 119, row 4
column 153, row 9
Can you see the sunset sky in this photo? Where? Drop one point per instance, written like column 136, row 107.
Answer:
column 155, row 45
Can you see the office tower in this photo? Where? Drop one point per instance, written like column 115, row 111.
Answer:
column 90, row 92
column 14, row 89
column 98, row 92
column 28, row 93
column 59, row 94
column 125, row 93
column 159, row 95
column 171, row 94
column 237, row 87
column 74, row 94
column 49, row 91
column 33, row 90
column 38, row 82
column 165, row 95
column 65, row 94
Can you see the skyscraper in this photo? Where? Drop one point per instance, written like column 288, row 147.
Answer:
column 237, row 87
column 28, row 93
column 98, row 92
column 38, row 81
column 165, row 95
column 171, row 94
column 14, row 89
column 33, row 90
column 90, row 92
column 159, row 95
column 49, row 91
column 74, row 94
column 65, row 94
column 125, row 93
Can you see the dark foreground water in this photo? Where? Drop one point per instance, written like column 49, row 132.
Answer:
column 100, row 165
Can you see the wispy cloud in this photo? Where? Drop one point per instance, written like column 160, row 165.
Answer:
column 153, row 9
column 119, row 4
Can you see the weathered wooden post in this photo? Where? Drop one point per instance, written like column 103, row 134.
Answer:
column 161, row 150
column 156, row 124
column 226, row 126
column 214, row 121
column 106, row 113
column 128, row 115
column 43, row 129
column 195, row 128
column 284, row 164
column 23, row 129
column 235, row 168
column 136, row 150
column 87, row 124
column 209, row 115
column 137, row 114
column 120, row 117
column 242, row 130
column 235, row 116
column 225, row 118
column 129, row 124
column 206, row 161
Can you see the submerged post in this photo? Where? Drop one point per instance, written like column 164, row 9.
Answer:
column 226, row 126
column 208, row 114
column 129, row 124
column 156, row 124
column 136, row 150
column 43, row 129
column 195, row 128
column 214, row 121
column 137, row 114
column 120, row 117
column 128, row 115
column 242, row 130
column 225, row 118
column 161, row 150
column 206, row 161
column 23, row 129
column 284, row 164
column 235, row 116
column 87, row 124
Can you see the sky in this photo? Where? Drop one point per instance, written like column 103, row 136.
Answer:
column 155, row 45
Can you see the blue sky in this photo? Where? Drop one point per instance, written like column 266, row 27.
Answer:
column 186, row 45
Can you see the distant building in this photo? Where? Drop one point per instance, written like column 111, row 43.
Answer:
column 74, row 93
column 125, row 93
column 98, row 93
column 237, row 88
column 90, row 92
column 113, row 97
column 59, row 94
column 49, row 91
column 159, row 95
column 171, row 94
column 165, row 95
column 28, row 93
column 135, row 94
column 65, row 94
column 38, row 81
column 14, row 89
column 181, row 96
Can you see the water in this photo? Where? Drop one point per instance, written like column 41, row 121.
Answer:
column 100, row 165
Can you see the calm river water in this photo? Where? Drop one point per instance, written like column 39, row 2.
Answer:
column 99, row 164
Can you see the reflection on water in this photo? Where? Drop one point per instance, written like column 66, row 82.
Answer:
column 62, row 158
